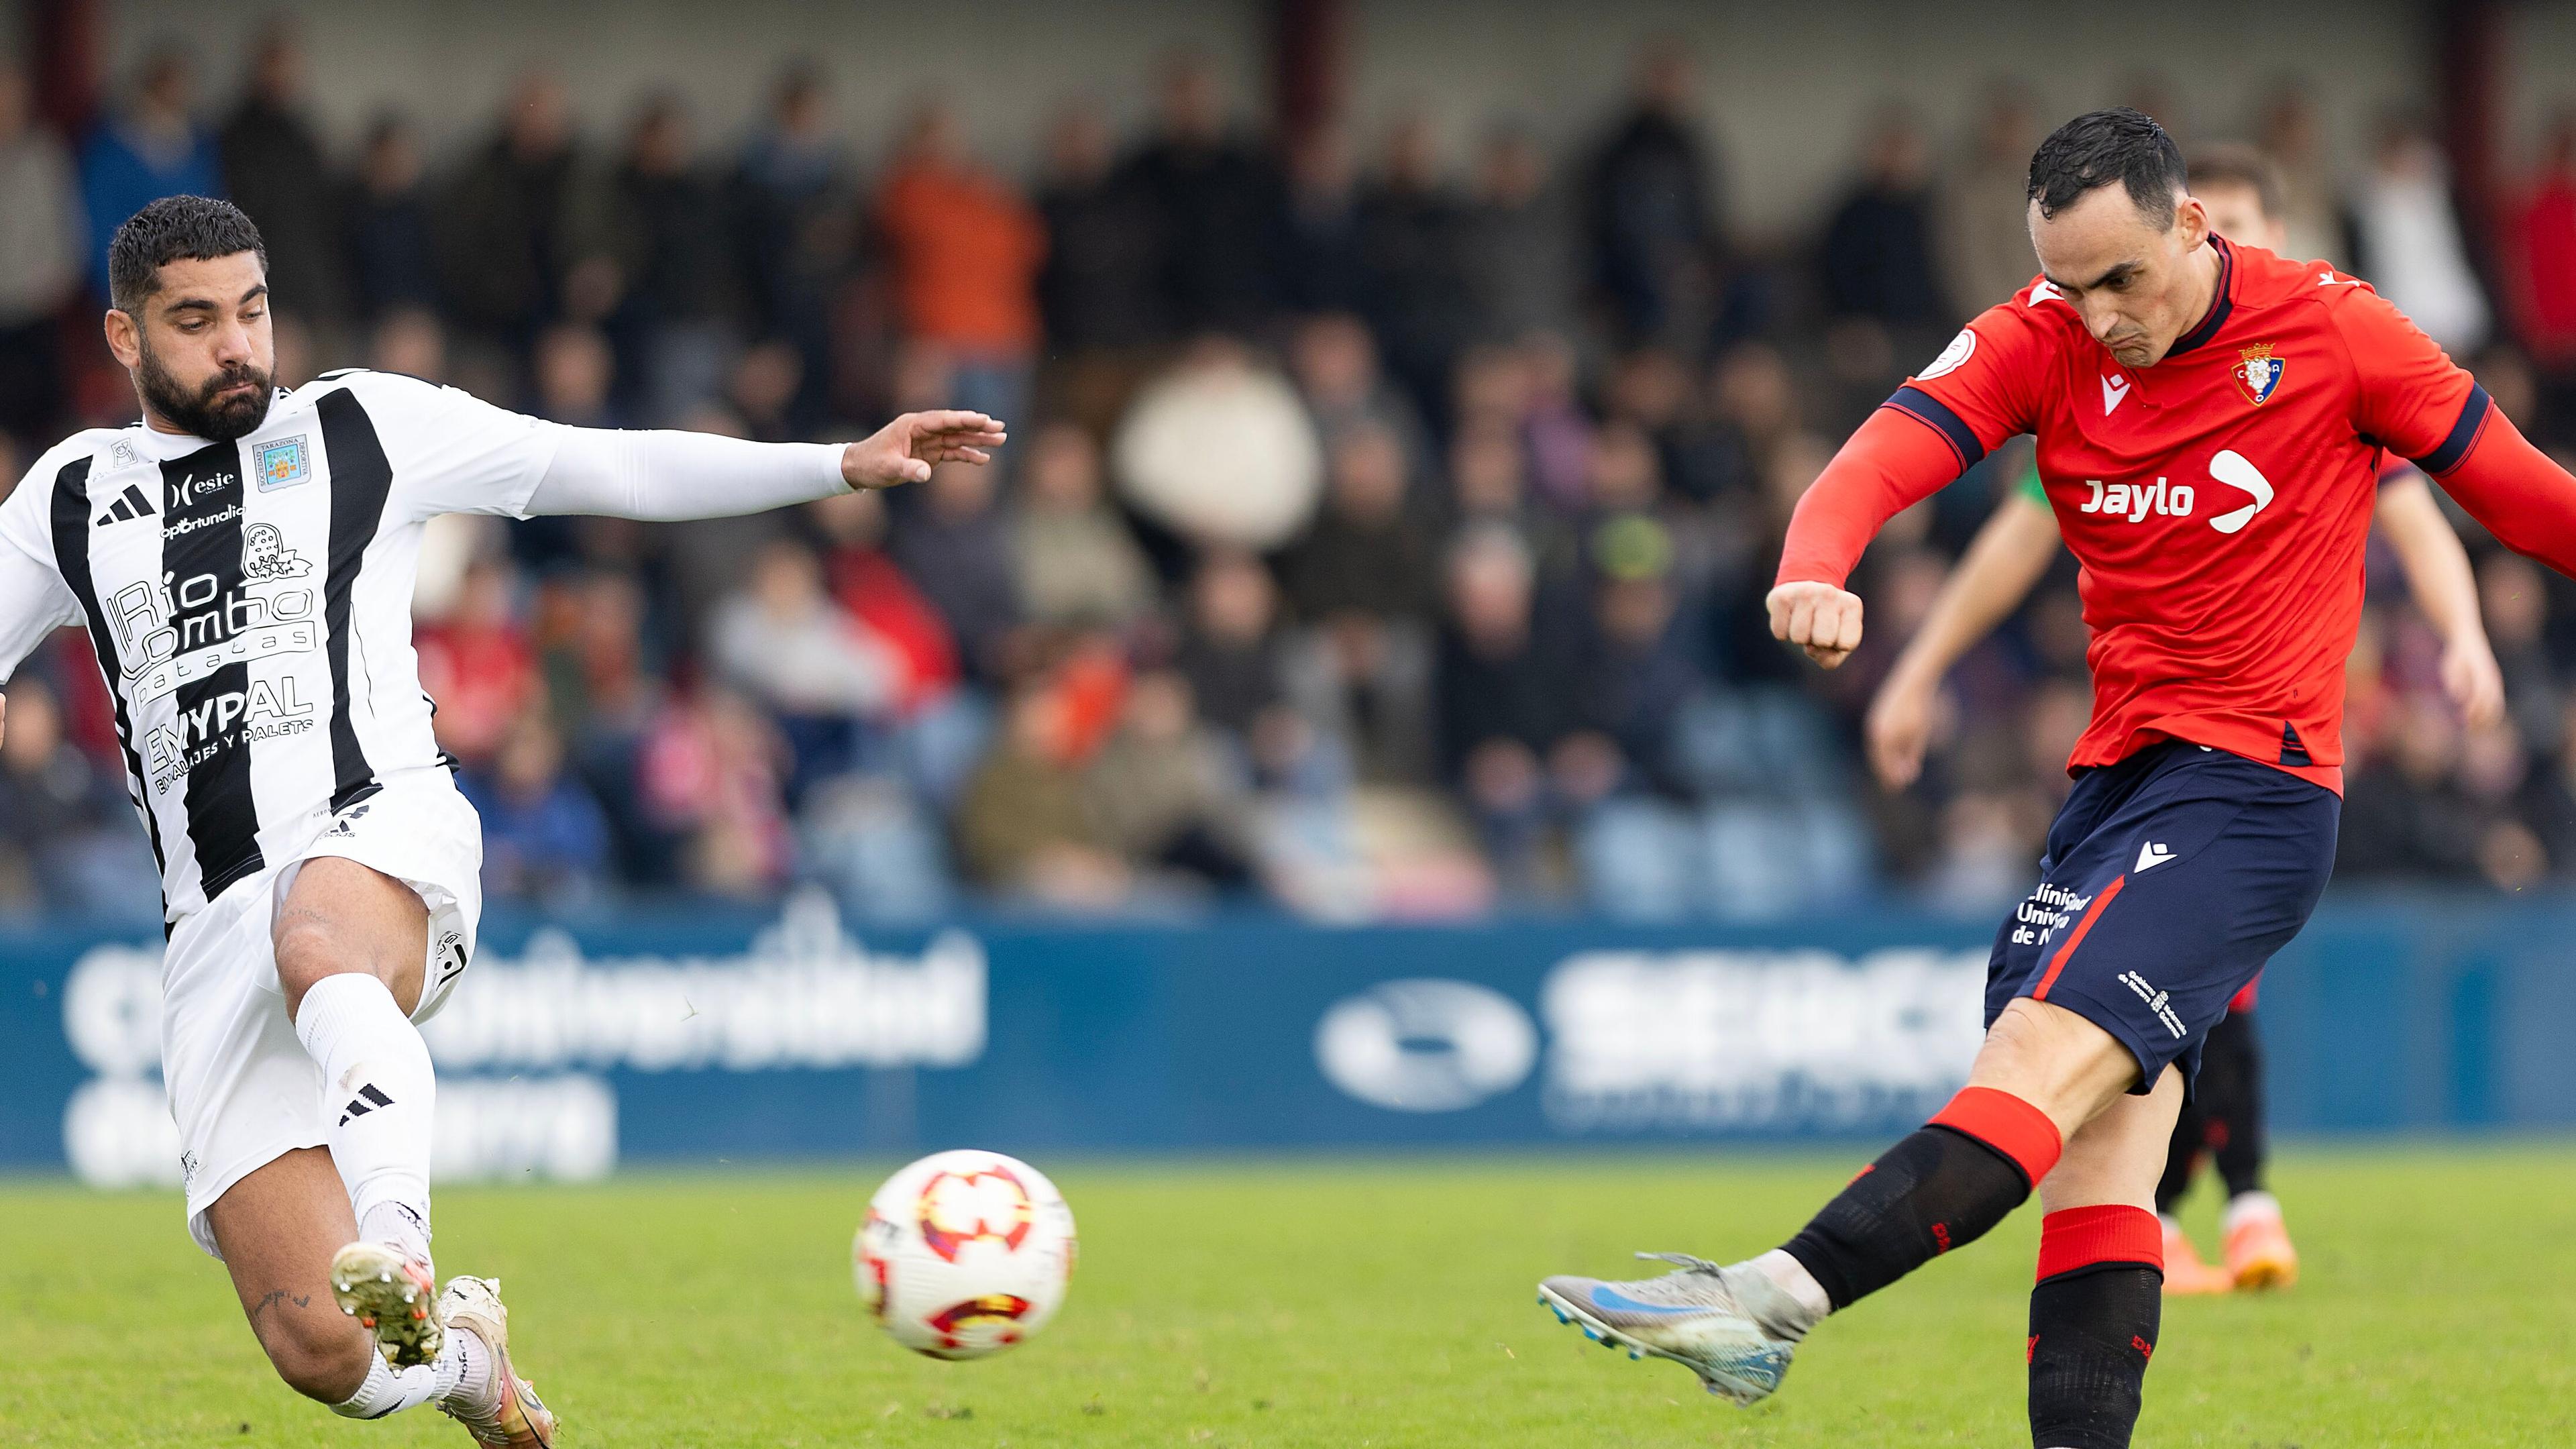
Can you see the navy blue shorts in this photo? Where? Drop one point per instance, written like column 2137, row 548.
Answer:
column 2170, row 878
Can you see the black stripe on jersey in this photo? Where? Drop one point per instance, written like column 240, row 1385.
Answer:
column 2463, row 435
column 71, row 557
column 360, row 479
column 1936, row 414
column 202, row 561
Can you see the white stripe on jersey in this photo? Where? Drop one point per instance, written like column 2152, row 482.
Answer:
column 251, row 602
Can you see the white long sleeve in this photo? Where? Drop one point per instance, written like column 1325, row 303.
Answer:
column 668, row 476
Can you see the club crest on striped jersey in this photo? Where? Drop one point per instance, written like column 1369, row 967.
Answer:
column 282, row 464
column 2257, row 373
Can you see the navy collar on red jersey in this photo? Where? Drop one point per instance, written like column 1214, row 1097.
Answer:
column 2218, row 309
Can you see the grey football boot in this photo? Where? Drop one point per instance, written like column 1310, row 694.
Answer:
column 1733, row 1327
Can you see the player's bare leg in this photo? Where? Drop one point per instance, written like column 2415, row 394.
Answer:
column 2043, row 1072
column 352, row 949
column 2095, row 1310
column 277, row 1228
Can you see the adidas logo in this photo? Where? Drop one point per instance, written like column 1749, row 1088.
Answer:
column 367, row 1100
column 126, row 509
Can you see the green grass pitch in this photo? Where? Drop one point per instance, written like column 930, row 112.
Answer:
column 1330, row 1304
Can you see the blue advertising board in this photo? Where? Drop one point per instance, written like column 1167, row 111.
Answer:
column 571, row 1048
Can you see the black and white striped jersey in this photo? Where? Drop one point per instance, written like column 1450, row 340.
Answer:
column 251, row 602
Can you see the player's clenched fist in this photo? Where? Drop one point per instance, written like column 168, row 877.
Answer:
column 1819, row 618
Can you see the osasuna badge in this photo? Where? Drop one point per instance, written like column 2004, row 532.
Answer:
column 2258, row 372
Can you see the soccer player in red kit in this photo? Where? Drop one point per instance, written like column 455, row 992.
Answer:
column 2210, row 422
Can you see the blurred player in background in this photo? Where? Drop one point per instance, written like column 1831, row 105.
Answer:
column 244, row 558
column 2210, row 421
column 2224, row 1119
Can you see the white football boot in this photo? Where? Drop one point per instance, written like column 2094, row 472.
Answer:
column 1707, row 1318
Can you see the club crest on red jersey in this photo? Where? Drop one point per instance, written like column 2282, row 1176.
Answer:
column 2257, row 373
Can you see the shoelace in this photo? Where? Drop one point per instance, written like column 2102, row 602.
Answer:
column 1686, row 1262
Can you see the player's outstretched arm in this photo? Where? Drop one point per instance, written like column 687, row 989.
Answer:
column 672, row 476
column 2446, row 590
column 2527, row 501
column 1887, row 465
column 1998, row 571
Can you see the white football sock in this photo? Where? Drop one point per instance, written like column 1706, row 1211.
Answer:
column 389, row 1390
column 2252, row 1206
column 1800, row 1286
column 377, row 1082
column 464, row 1369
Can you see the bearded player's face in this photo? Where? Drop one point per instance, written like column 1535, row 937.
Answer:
column 201, row 352
column 2135, row 284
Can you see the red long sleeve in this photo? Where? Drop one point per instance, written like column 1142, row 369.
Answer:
column 1892, row 462
column 2524, row 499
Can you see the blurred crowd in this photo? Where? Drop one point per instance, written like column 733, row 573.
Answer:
column 1384, row 530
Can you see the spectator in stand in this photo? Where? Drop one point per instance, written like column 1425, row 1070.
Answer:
column 1412, row 239
column 954, row 542
column 962, row 252
column 574, row 372
column 1649, row 206
column 2513, row 603
column 411, row 342
column 605, row 698
column 795, row 207
column 1099, row 290
column 478, row 663
column 1077, row 564
column 672, row 237
column 1369, row 557
column 788, row 646
column 1323, row 269
column 1984, row 203
column 2310, row 210
column 1230, row 649
column 2407, row 241
column 1022, row 828
column 392, row 253
column 1637, row 674
column 274, row 169
column 545, row 839
column 147, row 149
column 1335, row 363
column 914, row 641
column 505, row 226
column 1502, row 698
column 1163, row 795
column 1217, row 203
column 42, row 241
column 66, row 829
column 709, row 774
column 1519, row 252
column 2541, row 248
column 1877, row 254
column 1489, row 483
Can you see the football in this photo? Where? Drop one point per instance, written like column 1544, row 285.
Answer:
column 964, row 1254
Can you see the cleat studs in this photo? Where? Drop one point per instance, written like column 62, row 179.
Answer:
column 1635, row 1354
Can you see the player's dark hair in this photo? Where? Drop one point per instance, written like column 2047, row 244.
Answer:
column 174, row 229
column 2101, row 147
column 2233, row 163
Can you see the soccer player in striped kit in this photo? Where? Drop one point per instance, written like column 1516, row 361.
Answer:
column 243, row 559
column 2211, row 420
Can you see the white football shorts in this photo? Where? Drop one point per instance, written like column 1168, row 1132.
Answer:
column 241, row 1087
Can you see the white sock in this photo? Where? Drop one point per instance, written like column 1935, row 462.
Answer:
column 377, row 1081
column 389, row 1390
column 464, row 1370
column 2252, row 1206
column 1792, row 1278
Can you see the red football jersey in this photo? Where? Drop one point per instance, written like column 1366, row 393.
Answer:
column 2219, row 500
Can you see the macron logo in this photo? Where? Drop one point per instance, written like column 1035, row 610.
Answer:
column 2151, row 855
column 2115, row 390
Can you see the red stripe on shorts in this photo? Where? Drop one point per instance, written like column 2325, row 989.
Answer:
column 2075, row 938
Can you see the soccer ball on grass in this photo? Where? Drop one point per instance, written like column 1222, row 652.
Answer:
column 964, row 1254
